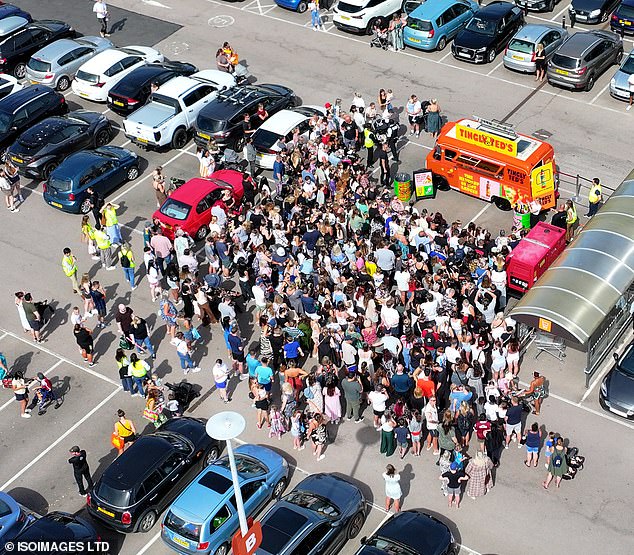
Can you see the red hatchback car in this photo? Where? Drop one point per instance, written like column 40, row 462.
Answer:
column 189, row 207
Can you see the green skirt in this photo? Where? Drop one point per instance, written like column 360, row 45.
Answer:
column 388, row 444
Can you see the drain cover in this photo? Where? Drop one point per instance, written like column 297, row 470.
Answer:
column 542, row 134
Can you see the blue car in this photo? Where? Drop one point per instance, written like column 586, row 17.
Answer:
column 204, row 518
column 103, row 169
column 12, row 518
column 436, row 22
column 8, row 10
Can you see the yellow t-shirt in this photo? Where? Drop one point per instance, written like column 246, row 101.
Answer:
column 125, row 429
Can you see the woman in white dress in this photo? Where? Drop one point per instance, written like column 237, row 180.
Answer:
column 18, row 304
column 392, row 488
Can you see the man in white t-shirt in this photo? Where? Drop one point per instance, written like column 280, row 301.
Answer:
column 630, row 83
column 101, row 11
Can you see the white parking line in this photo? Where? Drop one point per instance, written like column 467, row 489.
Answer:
column 150, row 543
column 445, row 56
column 496, row 67
column 106, row 111
column 59, row 439
column 142, row 179
column 600, row 93
column 484, row 209
column 39, row 347
column 3, row 336
column 556, row 17
column 126, row 143
column 45, row 373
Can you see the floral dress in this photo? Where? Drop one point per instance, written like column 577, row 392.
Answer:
column 277, row 424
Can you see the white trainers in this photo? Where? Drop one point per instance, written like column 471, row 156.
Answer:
column 196, row 370
column 629, row 107
column 25, row 415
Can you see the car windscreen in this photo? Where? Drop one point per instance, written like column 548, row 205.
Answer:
column 387, row 546
column 627, row 363
column 628, row 65
column 112, row 496
column 263, row 138
column 88, row 77
column 39, row 65
column 246, row 466
column 182, row 527
column 208, row 124
column 312, row 502
column 626, row 12
column 60, row 185
column 348, row 8
column 127, row 87
column 565, row 61
column 523, row 46
column 481, row 26
column 165, row 101
column 175, row 209
column 419, row 24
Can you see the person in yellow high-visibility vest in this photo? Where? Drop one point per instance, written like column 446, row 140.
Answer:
column 126, row 259
column 104, row 246
column 595, row 197
column 368, row 143
column 69, row 265
column 572, row 220
column 110, row 220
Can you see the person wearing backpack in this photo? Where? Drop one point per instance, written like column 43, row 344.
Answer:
column 558, row 466
column 126, row 259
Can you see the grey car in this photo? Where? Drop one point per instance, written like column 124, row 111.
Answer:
column 617, row 389
column 619, row 86
column 583, row 57
column 520, row 52
column 56, row 64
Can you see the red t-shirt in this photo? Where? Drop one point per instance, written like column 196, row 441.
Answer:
column 427, row 386
column 482, row 428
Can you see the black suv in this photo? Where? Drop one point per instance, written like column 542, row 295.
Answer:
column 133, row 90
column 221, row 120
column 17, row 48
column 40, row 149
column 22, row 109
column 487, row 32
column 146, row 477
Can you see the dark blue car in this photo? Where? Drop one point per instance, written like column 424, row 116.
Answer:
column 103, row 169
column 7, row 10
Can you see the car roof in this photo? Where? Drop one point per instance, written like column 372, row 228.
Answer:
column 534, row 31
column 283, row 121
column 281, row 524
column 577, row 44
column 104, row 60
column 194, row 189
column 433, row 8
column 234, row 100
column 53, row 526
column 422, row 532
column 51, row 52
column 12, row 23
column 495, row 9
column 14, row 101
column 45, row 129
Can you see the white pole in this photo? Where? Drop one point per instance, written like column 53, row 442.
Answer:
column 244, row 528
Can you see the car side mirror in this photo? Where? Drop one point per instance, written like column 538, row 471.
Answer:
column 363, row 540
column 616, row 357
column 13, row 128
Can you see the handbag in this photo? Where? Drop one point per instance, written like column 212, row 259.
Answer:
column 150, row 415
column 116, row 440
column 125, row 343
column 523, row 440
column 195, row 334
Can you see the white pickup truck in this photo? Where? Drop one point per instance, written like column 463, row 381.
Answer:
column 170, row 113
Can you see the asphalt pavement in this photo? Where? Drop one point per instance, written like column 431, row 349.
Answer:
column 588, row 131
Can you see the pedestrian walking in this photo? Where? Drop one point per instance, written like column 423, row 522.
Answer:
column 123, row 366
column 184, row 354
column 315, row 18
column 630, row 86
column 454, row 478
column 139, row 370
column 69, row 265
column 13, row 176
column 139, row 332
column 595, row 197
column 532, row 440
column 221, row 377
column 479, row 472
column 83, row 336
column 21, row 392
column 125, row 430
column 101, row 11
column 126, row 259
column 81, row 470
column 393, row 492
column 98, row 296
column 558, row 466
column 7, row 190
column 250, row 155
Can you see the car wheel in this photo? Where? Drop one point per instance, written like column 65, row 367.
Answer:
column 302, row 7
column 590, row 83
column 355, row 525
column 222, row 550
column 48, row 169
column 202, row 233
column 147, row 521
column 551, row 6
column 490, row 56
column 619, row 57
column 85, row 207
column 102, row 137
column 441, row 44
column 502, row 203
column 132, row 174
column 238, row 144
column 604, row 17
column 279, row 488
column 211, row 456
column 19, row 71
column 63, row 83
column 371, row 24
column 179, row 140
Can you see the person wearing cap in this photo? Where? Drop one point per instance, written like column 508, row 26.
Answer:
column 81, row 469
column 454, row 478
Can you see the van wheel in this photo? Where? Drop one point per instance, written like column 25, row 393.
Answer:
column 502, row 203
column 441, row 44
column 302, row 7
column 222, row 550
column 85, row 206
column 590, row 83
column 441, row 183
column 147, row 521
column 491, row 55
column 179, row 140
column 63, row 83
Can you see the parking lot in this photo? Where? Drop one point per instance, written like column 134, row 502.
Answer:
column 588, row 131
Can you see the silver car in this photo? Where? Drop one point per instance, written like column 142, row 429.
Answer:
column 11, row 24
column 56, row 64
column 520, row 53
column 619, row 86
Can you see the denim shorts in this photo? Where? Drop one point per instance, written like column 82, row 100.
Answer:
column 532, row 449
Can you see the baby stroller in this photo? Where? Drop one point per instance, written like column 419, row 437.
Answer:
column 379, row 38
column 575, row 463
column 184, row 393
